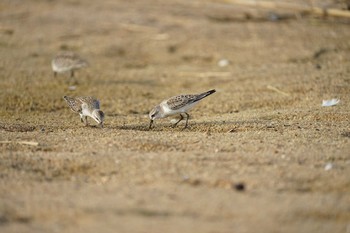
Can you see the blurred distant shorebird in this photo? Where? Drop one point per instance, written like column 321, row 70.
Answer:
column 67, row 61
column 180, row 104
column 86, row 107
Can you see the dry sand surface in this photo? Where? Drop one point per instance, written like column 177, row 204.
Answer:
column 261, row 154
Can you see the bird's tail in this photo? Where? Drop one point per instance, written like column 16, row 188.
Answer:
column 205, row 94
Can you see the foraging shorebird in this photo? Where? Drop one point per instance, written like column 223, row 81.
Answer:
column 67, row 61
column 86, row 107
column 179, row 104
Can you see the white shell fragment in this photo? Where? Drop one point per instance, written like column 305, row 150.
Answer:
column 328, row 166
column 328, row 103
column 72, row 88
column 223, row 62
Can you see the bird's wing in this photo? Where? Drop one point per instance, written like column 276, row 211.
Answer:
column 91, row 102
column 70, row 59
column 180, row 101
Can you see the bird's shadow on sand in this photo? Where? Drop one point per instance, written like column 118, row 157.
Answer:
column 213, row 126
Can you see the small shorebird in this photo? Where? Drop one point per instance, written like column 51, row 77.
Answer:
column 177, row 105
column 86, row 107
column 67, row 61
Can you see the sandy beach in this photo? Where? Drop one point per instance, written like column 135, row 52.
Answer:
column 260, row 155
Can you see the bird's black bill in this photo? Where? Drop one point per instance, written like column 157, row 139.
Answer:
column 150, row 124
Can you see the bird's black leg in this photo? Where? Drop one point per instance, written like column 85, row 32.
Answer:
column 73, row 80
column 150, row 125
column 181, row 118
column 188, row 117
column 86, row 121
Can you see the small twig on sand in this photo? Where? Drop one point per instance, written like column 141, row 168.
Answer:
column 205, row 74
column 29, row 143
column 277, row 90
column 275, row 5
column 137, row 27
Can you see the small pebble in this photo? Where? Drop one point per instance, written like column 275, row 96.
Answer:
column 272, row 16
column 239, row 187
